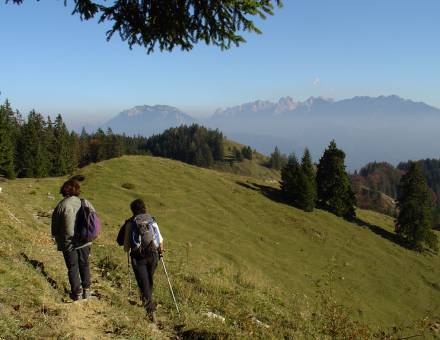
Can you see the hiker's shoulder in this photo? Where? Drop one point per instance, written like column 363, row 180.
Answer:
column 68, row 202
column 142, row 218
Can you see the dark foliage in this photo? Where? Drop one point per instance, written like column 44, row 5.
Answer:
column 298, row 183
column 375, row 187
column 193, row 144
column 7, row 149
column 333, row 184
column 237, row 154
column 290, row 180
column 38, row 147
column 246, row 151
column 308, row 193
column 277, row 160
column 169, row 24
column 376, row 179
column 415, row 203
column 381, row 177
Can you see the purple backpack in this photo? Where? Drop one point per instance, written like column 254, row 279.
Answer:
column 88, row 225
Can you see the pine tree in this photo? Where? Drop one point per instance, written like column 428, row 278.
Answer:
column 61, row 151
column 73, row 152
column 333, row 184
column 275, row 161
column 307, row 184
column 84, row 150
column 290, row 174
column 170, row 24
column 33, row 150
column 246, row 151
column 51, row 146
column 414, row 221
column 238, row 155
column 7, row 168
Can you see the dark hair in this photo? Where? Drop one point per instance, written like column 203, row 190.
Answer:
column 70, row 188
column 138, row 207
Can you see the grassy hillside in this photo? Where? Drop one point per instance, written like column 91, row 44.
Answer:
column 252, row 168
column 232, row 249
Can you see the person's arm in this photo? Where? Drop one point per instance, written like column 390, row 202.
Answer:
column 69, row 222
column 127, row 236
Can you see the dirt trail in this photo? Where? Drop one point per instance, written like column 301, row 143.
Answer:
column 84, row 319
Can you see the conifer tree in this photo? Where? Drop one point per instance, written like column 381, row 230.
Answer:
column 61, row 150
column 7, row 168
column 307, row 184
column 169, row 24
column 33, row 150
column 414, row 221
column 246, row 151
column 238, row 155
column 51, row 146
column 73, row 152
column 290, row 178
column 333, row 184
column 276, row 161
column 84, row 150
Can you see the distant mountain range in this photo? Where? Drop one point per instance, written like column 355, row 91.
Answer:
column 385, row 128
column 148, row 120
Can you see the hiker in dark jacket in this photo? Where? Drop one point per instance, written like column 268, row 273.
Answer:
column 144, row 262
column 76, row 254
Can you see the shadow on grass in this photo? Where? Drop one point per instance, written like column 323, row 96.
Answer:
column 39, row 267
column 270, row 192
column 382, row 233
column 276, row 195
column 199, row 334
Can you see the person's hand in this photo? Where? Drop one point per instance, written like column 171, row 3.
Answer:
column 161, row 250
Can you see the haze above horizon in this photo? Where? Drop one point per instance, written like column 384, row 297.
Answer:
column 55, row 63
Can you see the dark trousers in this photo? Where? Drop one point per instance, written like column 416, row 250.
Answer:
column 144, row 269
column 78, row 269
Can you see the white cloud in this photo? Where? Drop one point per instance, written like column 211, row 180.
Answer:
column 316, row 81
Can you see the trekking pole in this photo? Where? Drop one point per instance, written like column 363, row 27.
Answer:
column 169, row 283
column 128, row 274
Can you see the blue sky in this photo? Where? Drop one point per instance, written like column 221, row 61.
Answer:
column 53, row 62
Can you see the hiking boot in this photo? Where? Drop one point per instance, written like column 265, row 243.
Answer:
column 152, row 317
column 76, row 296
column 87, row 293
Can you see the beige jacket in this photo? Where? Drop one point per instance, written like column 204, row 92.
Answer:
column 63, row 223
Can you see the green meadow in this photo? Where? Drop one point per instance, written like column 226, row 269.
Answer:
column 233, row 248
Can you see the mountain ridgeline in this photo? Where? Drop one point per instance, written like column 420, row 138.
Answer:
column 148, row 120
column 36, row 147
column 386, row 128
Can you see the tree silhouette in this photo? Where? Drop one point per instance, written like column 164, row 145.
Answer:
column 307, row 184
column 333, row 184
column 415, row 210
column 7, row 167
column 170, row 23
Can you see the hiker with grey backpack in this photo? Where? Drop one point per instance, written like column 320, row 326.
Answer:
column 74, row 227
column 142, row 240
